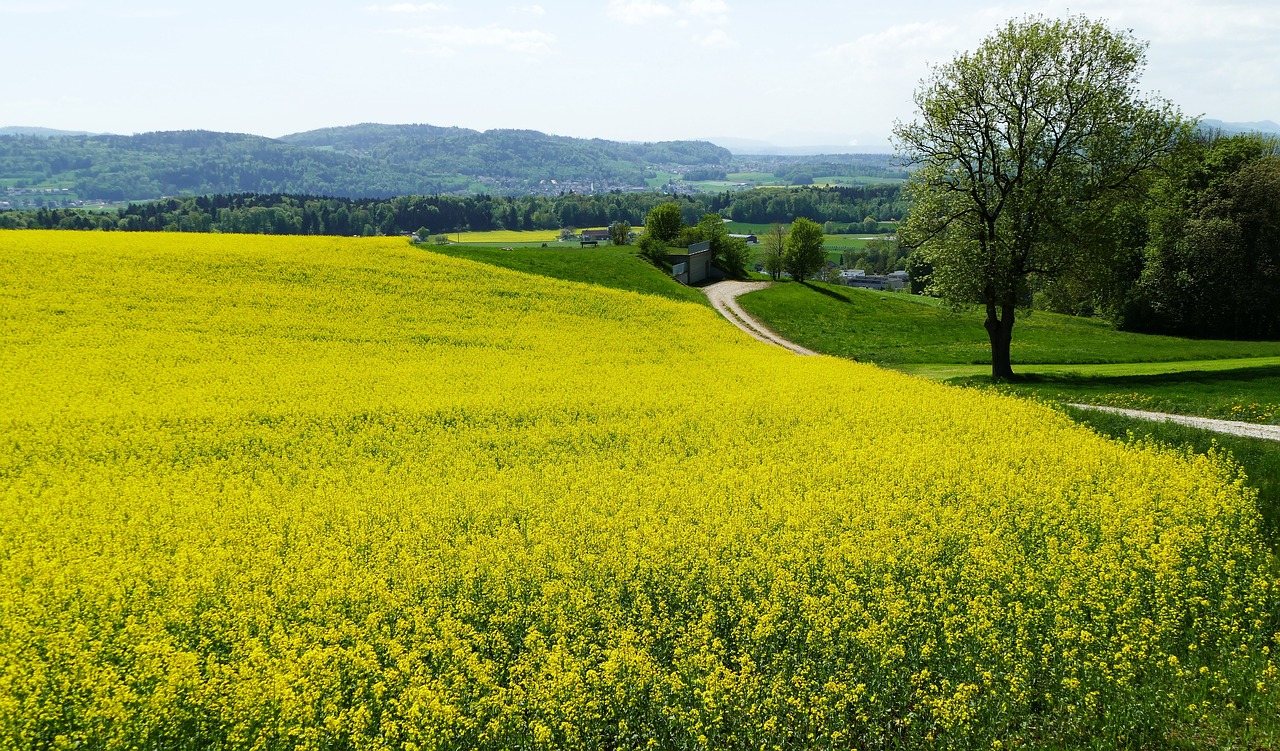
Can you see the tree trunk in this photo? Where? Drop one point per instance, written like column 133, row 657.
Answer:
column 999, row 326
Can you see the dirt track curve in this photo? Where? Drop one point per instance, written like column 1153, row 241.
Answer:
column 723, row 297
column 1230, row 427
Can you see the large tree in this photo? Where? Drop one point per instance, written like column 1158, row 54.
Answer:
column 804, row 254
column 1019, row 150
column 664, row 222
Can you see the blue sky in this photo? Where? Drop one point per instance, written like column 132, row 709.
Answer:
column 800, row 72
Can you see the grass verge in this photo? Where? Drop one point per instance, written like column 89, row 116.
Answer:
column 1247, row 394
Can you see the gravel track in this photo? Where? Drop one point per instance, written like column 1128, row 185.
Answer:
column 723, row 297
column 1230, row 427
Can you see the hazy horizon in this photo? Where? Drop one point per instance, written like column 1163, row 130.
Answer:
column 820, row 74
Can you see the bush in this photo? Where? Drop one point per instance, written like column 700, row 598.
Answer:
column 653, row 250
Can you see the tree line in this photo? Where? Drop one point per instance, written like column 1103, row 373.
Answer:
column 281, row 214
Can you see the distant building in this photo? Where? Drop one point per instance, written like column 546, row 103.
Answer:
column 897, row 280
column 594, row 236
column 751, row 239
column 692, row 266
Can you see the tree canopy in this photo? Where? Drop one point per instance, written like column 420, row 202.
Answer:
column 664, row 222
column 1211, row 265
column 803, row 255
column 1021, row 150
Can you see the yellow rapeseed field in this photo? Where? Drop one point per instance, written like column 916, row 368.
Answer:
column 279, row 493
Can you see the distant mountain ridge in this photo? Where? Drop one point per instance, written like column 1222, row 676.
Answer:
column 1262, row 126
column 19, row 130
column 754, row 147
column 359, row 161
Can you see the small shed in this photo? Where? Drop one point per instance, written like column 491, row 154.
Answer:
column 692, row 266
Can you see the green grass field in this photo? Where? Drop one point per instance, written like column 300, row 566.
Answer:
column 607, row 266
column 846, row 242
column 509, row 237
column 748, row 228
column 903, row 330
column 715, row 186
column 659, row 179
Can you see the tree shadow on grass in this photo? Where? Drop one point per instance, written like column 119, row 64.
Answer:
column 829, row 293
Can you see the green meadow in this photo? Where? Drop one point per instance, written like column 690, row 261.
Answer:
column 902, row 331
column 606, row 265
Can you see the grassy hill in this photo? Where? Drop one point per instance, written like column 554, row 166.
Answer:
column 342, row 493
column 912, row 332
column 606, row 265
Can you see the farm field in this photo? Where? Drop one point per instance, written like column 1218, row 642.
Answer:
column 838, row 180
column 346, row 493
column 847, row 242
column 505, row 236
column 759, row 229
column 834, row 244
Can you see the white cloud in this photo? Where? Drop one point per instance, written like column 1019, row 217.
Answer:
column 408, row 8
column 533, row 10
column 638, row 11
column 447, row 41
column 718, row 39
column 707, row 11
column 929, row 39
column 153, row 13
column 691, row 18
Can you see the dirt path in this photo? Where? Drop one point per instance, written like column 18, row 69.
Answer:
column 723, row 297
column 1230, row 427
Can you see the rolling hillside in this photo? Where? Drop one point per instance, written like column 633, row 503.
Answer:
column 369, row 161
column 331, row 493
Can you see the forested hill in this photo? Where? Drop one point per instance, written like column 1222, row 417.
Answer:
column 371, row 161
column 524, row 154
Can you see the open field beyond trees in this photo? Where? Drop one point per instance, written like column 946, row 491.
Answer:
column 505, row 236
column 320, row 492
